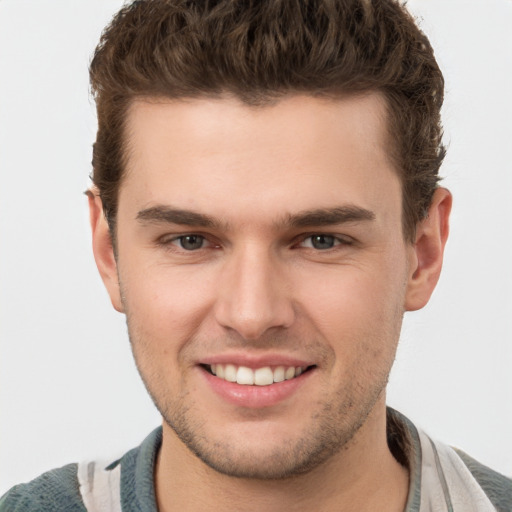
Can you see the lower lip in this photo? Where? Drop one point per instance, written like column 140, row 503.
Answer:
column 256, row 397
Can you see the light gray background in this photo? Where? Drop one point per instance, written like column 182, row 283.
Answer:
column 68, row 387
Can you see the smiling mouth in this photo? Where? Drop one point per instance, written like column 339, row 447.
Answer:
column 264, row 376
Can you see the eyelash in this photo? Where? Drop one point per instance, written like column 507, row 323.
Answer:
column 336, row 239
column 177, row 241
column 169, row 243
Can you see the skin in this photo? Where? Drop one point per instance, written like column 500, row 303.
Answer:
column 259, row 288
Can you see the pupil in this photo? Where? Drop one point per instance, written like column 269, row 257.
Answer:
column 322, row 241
column 191, row 242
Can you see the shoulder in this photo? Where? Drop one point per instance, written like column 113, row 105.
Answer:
column 57, row 489
column 496, row 486
column 445, row 477
column 125, row 484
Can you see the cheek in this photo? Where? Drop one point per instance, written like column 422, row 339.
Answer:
column 164, row 309
column 357, row 310
column 164, row 304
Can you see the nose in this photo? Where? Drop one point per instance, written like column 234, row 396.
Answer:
column 253, row 296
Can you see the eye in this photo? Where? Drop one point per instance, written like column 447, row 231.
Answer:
column 322, row 242
column 190, row 242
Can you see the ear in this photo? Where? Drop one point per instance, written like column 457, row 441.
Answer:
column 103, row 249
column 428, row 250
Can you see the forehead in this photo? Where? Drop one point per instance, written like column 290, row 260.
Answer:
column 223, row 155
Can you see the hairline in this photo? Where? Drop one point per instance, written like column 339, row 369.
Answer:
column 261, row 100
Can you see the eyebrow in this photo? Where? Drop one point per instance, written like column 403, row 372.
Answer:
column 330, row 216
column 169, row 215
column 308, row 218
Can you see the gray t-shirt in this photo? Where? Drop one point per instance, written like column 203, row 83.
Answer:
column 441, row 479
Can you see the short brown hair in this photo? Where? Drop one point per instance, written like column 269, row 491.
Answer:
column 260, row 50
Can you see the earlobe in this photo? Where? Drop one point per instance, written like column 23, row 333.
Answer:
column 103, row 249
column 428, row 251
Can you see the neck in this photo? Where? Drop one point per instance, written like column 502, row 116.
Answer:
column 363, row 476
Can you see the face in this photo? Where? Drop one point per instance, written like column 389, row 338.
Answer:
column 263, row 272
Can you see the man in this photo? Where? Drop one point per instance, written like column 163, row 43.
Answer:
column 265, row 208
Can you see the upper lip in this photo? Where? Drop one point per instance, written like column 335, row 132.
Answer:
column 251, row 361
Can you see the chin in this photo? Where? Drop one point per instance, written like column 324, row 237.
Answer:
column 265, row 451
column 274, row 462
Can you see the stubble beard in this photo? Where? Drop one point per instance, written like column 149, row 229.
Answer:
column 330, row 429
column 329, row 433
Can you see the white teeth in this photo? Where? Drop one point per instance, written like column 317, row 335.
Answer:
column 279, row 374
column 245, row 376
column 263, row 376
column 260, row 377
column 229, row 372
column 289, row 373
